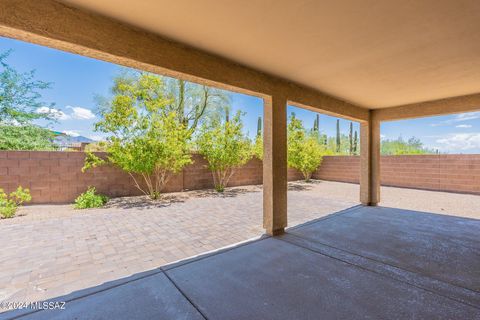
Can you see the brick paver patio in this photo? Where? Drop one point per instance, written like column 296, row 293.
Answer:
column 54, row 250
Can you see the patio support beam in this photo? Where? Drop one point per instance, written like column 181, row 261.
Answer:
column 275, row 165
column 467, row 103
column 61, row 26
column 370, row 161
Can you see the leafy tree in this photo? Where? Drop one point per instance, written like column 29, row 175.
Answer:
column 100, row 146
column 259, row 126
column 350, row 140
column 20, row 95
column 304, row 150
column 402, row 147
column 26, row 137
column 192, row 103
column 225, row 147
column 338, row 137
column 355, row 143
column 146, row 139
column 258, row 143
column 316, row 123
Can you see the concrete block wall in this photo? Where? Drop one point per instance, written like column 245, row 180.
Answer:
column 453, row 172
column 339, row 168
column 56, row 177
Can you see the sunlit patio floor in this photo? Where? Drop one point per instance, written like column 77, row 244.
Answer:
column 363, row 262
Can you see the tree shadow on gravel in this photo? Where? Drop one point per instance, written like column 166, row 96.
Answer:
column 302, row 185
column 227, row 193
column 144, row 202
column 166, row 200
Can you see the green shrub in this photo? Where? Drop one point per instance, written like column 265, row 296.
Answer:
column 225, row 147
column 90, row 199
column 10, row 203
column 304, row 150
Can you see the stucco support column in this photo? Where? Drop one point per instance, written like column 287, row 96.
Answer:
column 275, row 165
column 370, row 161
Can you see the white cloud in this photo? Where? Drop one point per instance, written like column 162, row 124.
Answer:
column 458, row 118
column 81, row 113
column 72, row 133
column 382, row 136
column 54, row 113
column 460, row 141
column 463, row 126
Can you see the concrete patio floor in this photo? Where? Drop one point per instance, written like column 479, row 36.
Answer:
column 363, row 262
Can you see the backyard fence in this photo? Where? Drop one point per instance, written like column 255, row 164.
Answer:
column 56, row 177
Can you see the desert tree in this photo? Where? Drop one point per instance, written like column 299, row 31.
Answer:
column 20, row 105
column 223, row 144
column 146, row 139
column 304, row 152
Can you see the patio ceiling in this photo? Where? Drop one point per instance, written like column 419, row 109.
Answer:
column 372, row 53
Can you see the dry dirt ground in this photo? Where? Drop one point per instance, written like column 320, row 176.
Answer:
column 52, row 250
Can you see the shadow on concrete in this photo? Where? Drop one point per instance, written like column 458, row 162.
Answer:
column 362, row 262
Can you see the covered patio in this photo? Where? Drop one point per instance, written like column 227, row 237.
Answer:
column 363, row 262
column 369, row 61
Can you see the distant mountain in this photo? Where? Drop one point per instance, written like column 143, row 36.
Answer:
column 64, row 139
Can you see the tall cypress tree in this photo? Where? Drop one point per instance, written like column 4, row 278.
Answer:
column 350, row 139
column 259, row 126
column 338, row 135
column 316, row 123
column 355, row 142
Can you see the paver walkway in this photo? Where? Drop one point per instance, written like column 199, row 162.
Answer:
column 54, row 250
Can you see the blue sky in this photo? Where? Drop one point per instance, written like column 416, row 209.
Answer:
column 76, row 80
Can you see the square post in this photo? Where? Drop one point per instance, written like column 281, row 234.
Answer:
column 370, row 161
column 275, row 165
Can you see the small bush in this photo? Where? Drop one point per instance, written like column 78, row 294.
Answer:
column 10, row 203
column 90, row 199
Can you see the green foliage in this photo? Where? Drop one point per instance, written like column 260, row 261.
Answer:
column 258, row 147
column 338, row 140
column 90, row 199
column 26, row 137
column 192, row 103
column 100, row 146
column 20, row 95
column 146, row 138
column 258, row 143
column 402, row 147
column 259, row 126
column 304, row 150
column 355, row 143
column 225, row 147
column 92, row 161
column 350, row 140
column 316, row 123
column 10, row 203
